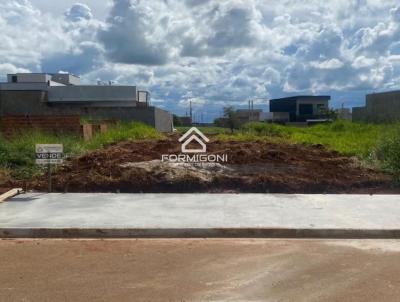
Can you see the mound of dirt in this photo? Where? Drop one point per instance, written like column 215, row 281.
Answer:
column 252, row 167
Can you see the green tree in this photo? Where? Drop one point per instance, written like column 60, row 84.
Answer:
column 330, row 113
column 231, row 118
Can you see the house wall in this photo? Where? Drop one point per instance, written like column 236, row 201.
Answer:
column 292, row 107
column 311, row 102
column 66, row 79
column 245, row 116
column 280, row 117
column 34, row 103
column 58, row 124
column 359, row 114
column 266, row 116
column 280, row 106
column 185, row 120
column 380, row 108
column 23, row 103
column 163, row 120
column 30, row 77
column 24, row 86
column 145, row 115
column 383, row 107
column 344, row 114
column 92, row 93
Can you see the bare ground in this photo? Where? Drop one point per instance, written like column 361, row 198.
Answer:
column 199, row 270
column 259, row 166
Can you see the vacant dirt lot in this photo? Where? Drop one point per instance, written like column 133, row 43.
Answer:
column 199, row 270
column 252, row 167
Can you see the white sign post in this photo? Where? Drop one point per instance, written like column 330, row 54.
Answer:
column 49, row 154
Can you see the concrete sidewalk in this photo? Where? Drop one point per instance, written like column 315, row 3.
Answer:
column 200, row 215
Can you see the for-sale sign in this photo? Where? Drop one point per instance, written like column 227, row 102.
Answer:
column 49, row 154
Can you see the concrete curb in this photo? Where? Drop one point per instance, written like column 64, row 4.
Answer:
column 200, row 233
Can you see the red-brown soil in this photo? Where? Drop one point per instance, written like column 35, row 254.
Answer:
column 252, row 167
column 200, row 270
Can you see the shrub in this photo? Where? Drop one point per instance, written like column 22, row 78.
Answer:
column 5, row 176
column 388, row 152
column 339, row 126
column 265, row 129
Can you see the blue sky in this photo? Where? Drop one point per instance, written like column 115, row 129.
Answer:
column 211, row 52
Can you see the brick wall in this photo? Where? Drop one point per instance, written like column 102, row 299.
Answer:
column 57, row 124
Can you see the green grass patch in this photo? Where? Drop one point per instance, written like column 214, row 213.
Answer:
column 376, row 144
column 251, row 137
column 123, row 132
column 17, row 153
column 345, row 137
column 206, row 130
column 387, row 151
column 266, row 129
column 258, row 131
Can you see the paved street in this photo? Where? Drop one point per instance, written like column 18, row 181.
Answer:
column 199, row 270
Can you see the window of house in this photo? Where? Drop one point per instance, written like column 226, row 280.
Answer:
column 305, row 109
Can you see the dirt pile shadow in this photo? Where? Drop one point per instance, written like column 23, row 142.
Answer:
column 252, row 167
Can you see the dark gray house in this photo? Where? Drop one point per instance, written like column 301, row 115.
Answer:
column 383, row 107
column 39, row 95
column 299, row 108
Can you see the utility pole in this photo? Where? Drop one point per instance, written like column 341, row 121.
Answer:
column 249, row 110
column 190, row 109
column 252, row 109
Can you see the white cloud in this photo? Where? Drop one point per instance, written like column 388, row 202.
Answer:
column 7, row 68
column 328, row 64
column 222, row 51
column 363, row 62
column 78, row 12
column 135, row 33
column 33, row 40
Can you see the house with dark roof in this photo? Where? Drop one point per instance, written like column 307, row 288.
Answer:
column 300, row 108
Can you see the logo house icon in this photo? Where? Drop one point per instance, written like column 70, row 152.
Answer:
column 194, row 134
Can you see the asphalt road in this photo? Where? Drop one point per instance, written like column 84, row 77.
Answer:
column 199, row 270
